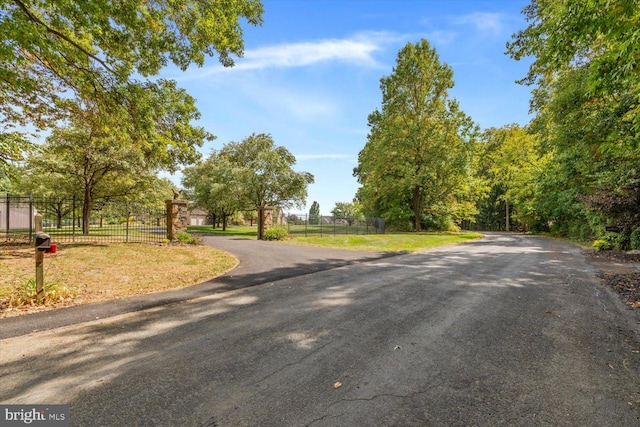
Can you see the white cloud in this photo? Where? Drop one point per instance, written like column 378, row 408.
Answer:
column 309, row 53
column 486, row 22
column 358, row 50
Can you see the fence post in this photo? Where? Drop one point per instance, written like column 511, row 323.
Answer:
column 73, row 219
column 31, row 218
column 7, row 217
column 126, row 239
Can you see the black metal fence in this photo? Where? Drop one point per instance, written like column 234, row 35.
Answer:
column 110, row 220
column 323, row 225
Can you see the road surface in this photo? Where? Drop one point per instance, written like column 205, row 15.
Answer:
column 508, row 330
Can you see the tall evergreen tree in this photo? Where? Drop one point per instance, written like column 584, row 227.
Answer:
column 314, row 213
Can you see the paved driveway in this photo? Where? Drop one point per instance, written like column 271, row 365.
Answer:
column 260, row 262
column 510, row 330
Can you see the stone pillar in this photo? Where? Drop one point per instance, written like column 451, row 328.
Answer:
column 177, row 218
column 268, row 218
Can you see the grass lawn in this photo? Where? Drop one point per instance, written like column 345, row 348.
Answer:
column 232, row 230
column 91, row 273
column 390, row 242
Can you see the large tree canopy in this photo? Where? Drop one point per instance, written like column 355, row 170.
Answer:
column 416, row 159
column 601, row 39
column 91, row 49
column 562, row 34
column 587, row 100
column 251, row 174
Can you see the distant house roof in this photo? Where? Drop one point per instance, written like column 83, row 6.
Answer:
column 199, row 211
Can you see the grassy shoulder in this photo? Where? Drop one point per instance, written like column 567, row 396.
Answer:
column 390, row 242
column 80, row 274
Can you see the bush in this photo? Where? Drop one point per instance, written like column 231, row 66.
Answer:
column 618, row 241
column 635, row 239
column 186, row 238
column 603, row 245
column 276, row 233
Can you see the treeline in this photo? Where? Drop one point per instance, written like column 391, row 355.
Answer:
column 571, row 171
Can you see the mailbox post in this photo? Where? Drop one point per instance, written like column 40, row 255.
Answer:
column 39, row 262
column 42, row 245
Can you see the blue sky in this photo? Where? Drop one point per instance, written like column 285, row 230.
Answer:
column 310, row 76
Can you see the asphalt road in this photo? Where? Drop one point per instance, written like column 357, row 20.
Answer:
column 509, row 330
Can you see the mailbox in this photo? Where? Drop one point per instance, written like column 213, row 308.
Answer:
column 43, row 241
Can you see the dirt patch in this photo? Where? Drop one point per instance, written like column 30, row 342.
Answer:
column 620, row 271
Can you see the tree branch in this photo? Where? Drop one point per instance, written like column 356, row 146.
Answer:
column 57, row 33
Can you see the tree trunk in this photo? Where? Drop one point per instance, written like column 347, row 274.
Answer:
column 86, row 211
column 417, row 209
column 260, row 222
column 507, row 214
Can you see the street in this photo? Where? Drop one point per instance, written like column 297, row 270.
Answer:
column 508, row 330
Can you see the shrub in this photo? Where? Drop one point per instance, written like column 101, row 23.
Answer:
column 26, row 295
column 276, row 233
column 603, row 245
column 635, row 239
column 186, row 238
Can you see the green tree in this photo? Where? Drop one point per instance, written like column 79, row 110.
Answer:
column 267, row 175
column 13, row 146
column 514, row 165
column 347, row 210
column 215, row 185
column 100, row 157
column 587, row 103
column 92, row 166
column 593, row 149
column 91, row 49
column 314, row 213
column 602, row 36
column 250, row 215
column 416, row 162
